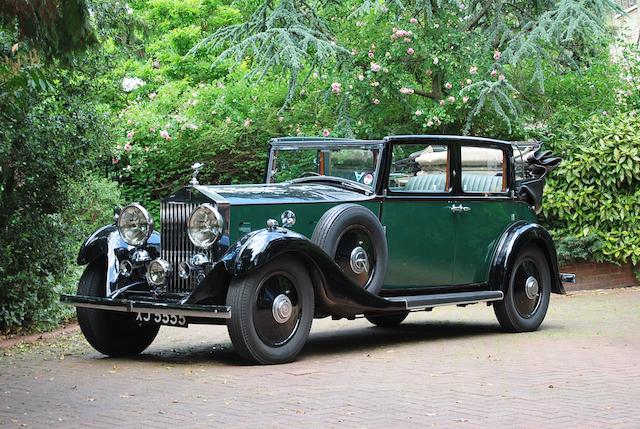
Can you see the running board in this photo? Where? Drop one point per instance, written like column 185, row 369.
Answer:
column 422, row 302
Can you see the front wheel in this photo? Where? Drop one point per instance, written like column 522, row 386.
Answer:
column 271, row 311
column 527, row 297
column 111, row 333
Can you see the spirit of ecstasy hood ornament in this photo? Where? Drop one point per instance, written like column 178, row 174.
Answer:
column 196, row 170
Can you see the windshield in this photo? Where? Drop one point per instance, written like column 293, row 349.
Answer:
column 357, row 164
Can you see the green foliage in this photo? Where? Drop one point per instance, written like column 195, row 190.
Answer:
column 572, row 249
column 430, row 47
column 596, row 190
column 56, row 28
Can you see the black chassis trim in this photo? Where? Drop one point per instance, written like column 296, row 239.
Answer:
column 335, row 293
column 518, row 236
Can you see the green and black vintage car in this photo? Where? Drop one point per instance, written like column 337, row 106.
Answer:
column 340, row 228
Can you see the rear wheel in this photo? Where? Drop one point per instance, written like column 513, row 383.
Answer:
column 109, row 332
column 271, row 311
column 387, row 320
column 527, row 298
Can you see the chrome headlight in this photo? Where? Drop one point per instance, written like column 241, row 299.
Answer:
column 135, row 225
column 158, row 271
column 205, row 226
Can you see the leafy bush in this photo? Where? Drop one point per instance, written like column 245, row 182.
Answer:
column 49, row 135
column 597, row 188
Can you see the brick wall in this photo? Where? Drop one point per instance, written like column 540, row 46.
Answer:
column 591, row 275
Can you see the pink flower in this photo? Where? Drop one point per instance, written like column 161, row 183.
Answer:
column 413, row 21
column 165, row 135
column 418, row 112
column 375, row 67
column 448, row 85
column 501, row 77
column 325, row 133
column 442, row 102
column 410, row 51
column 128, row 147
column 497, row 55
column 354, row 52
column 336, row 87
column 371, row 54
column 494, row 73
column 406, row 91
column 115, row 160
column 605, row 113
column 130, row 134
column 473, row 70
column 375, row 101
column 451, row 99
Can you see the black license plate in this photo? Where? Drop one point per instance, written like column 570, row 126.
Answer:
column 162, row 319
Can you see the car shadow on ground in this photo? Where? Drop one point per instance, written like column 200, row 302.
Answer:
column 334, row 341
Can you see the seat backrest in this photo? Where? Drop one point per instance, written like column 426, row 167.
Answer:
column 481, row 183
column 470, row 183
column 426, row 183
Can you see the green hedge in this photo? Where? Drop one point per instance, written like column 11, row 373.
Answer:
column 595, row 194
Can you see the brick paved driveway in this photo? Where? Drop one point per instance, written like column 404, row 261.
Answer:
column 448, row 368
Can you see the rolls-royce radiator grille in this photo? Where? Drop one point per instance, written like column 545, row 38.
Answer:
column 175, row 244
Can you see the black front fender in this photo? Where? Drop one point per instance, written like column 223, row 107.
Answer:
column 336, row 294
column 106, row 243
column 518, row 236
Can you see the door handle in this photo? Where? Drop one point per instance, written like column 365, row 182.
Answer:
column 459, row 208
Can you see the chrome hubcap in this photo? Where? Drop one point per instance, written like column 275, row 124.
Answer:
column 359, row 261
column 531, row 287
column 282, row 308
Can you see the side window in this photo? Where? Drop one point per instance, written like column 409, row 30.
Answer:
column 483, row 170
column 419, row 168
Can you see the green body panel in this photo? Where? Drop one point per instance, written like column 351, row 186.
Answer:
column 477, row 234
column 429, row 245
column 247, row 218
column 421, row 243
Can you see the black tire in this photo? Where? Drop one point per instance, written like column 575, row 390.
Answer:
column 387, row 320
column 111, row 333
column 519, row 312
column 343, row 228
column 255, row 332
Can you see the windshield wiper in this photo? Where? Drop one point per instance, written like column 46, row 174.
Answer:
column 332, row 180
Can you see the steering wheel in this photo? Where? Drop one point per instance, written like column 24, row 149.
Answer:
column 309, row 174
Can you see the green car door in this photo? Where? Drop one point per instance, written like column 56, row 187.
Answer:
column 417, row 217
column 486, row 209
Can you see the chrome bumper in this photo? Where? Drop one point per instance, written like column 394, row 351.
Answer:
column 131, row 306
column 567, row 278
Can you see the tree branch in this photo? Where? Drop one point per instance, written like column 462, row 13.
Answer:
column 476, row 19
